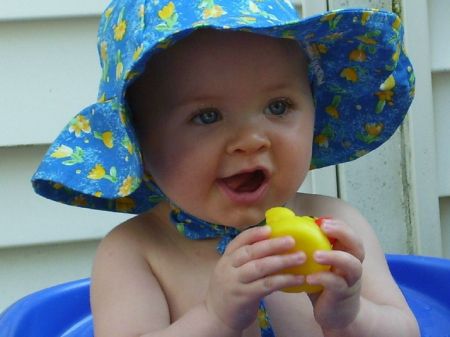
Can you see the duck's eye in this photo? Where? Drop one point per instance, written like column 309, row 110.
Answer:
column 278, row 107
column 208, row 116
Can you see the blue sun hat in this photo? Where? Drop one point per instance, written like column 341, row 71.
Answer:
column 362, row 82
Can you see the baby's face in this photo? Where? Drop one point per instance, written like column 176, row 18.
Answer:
column 226, row 122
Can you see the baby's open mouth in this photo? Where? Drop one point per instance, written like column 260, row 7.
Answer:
column 245, row 182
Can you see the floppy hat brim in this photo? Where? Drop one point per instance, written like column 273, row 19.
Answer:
column 90, row 166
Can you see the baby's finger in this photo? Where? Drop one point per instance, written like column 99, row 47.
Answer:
column 346, row 237
column 248, row 237
column 271, row 283
column 258, row 269
column 342, row 264
column 331, row 282
column 261, row 249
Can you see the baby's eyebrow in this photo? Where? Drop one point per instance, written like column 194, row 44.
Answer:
column 197, row 100
column 277, row 87
column 204, row 99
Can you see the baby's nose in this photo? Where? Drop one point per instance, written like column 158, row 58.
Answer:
column 247, row 140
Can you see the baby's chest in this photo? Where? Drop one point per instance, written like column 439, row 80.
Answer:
column 185, row 283
column 289, row 318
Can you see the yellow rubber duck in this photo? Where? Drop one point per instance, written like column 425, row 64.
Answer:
column 308, row 238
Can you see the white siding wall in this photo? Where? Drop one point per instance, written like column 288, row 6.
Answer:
column 49, row 71
column 440, row 65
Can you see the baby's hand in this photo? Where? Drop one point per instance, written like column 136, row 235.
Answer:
column 247, row 272
column 338, row 304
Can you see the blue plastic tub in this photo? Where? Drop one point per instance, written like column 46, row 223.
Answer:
column 64, row 310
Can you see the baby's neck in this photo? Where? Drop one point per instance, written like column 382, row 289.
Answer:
column 162, row 214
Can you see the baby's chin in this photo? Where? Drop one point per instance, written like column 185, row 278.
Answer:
column 240, row 220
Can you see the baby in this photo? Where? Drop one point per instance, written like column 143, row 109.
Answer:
column 210, row 113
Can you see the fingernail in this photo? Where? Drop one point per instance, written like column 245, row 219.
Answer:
column 266, row 229
column 311, row 279
column 300, row 279
column 289, row 239
column 300, row 256
column 319, row 255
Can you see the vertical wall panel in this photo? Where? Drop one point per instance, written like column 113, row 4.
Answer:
column 421, row 142
column 440, row 51
column 375, row 184
column 441, row 97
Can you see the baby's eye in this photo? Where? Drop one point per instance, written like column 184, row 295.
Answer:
column 208, row 116
column 278, row 107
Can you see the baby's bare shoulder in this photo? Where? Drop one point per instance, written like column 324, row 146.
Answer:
column 322, row 205
column 142, row 231
column 122, row 278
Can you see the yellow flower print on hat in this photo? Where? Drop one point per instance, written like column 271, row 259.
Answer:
column 247, row 20
column 365, row 17
column 120, row 28
column 332, row 109
column 103, row 51
column 263, row 319
column 253, row 10
column 169, row 16
column 324, row 137
column 104, row 60
column 210, row 9
column 350, row 74
column 358, row 55
column 141, row 11
column 321, row 140
column 374, row 129
column 123, row 117
column 288, row 34
column 397, row 23
column 389, row 84
column 125, row 204
column 99, row 172
column 128, row 186
column 138, row 52
column 126, row 143
column 74, row 157
column 102, row 98
column 79, row 124
column 107, row 16
column 119, row 65
column 108, row 12
column 372, row 132
column 385, row 95
column 141, row 15
column 367, row 39
column 106, row 137
column 79, row 201
column 332, row 19
column 167, row 11
column 396, row 55
column 62, row 151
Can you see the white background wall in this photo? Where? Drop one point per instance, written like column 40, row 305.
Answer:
column 49, row 71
